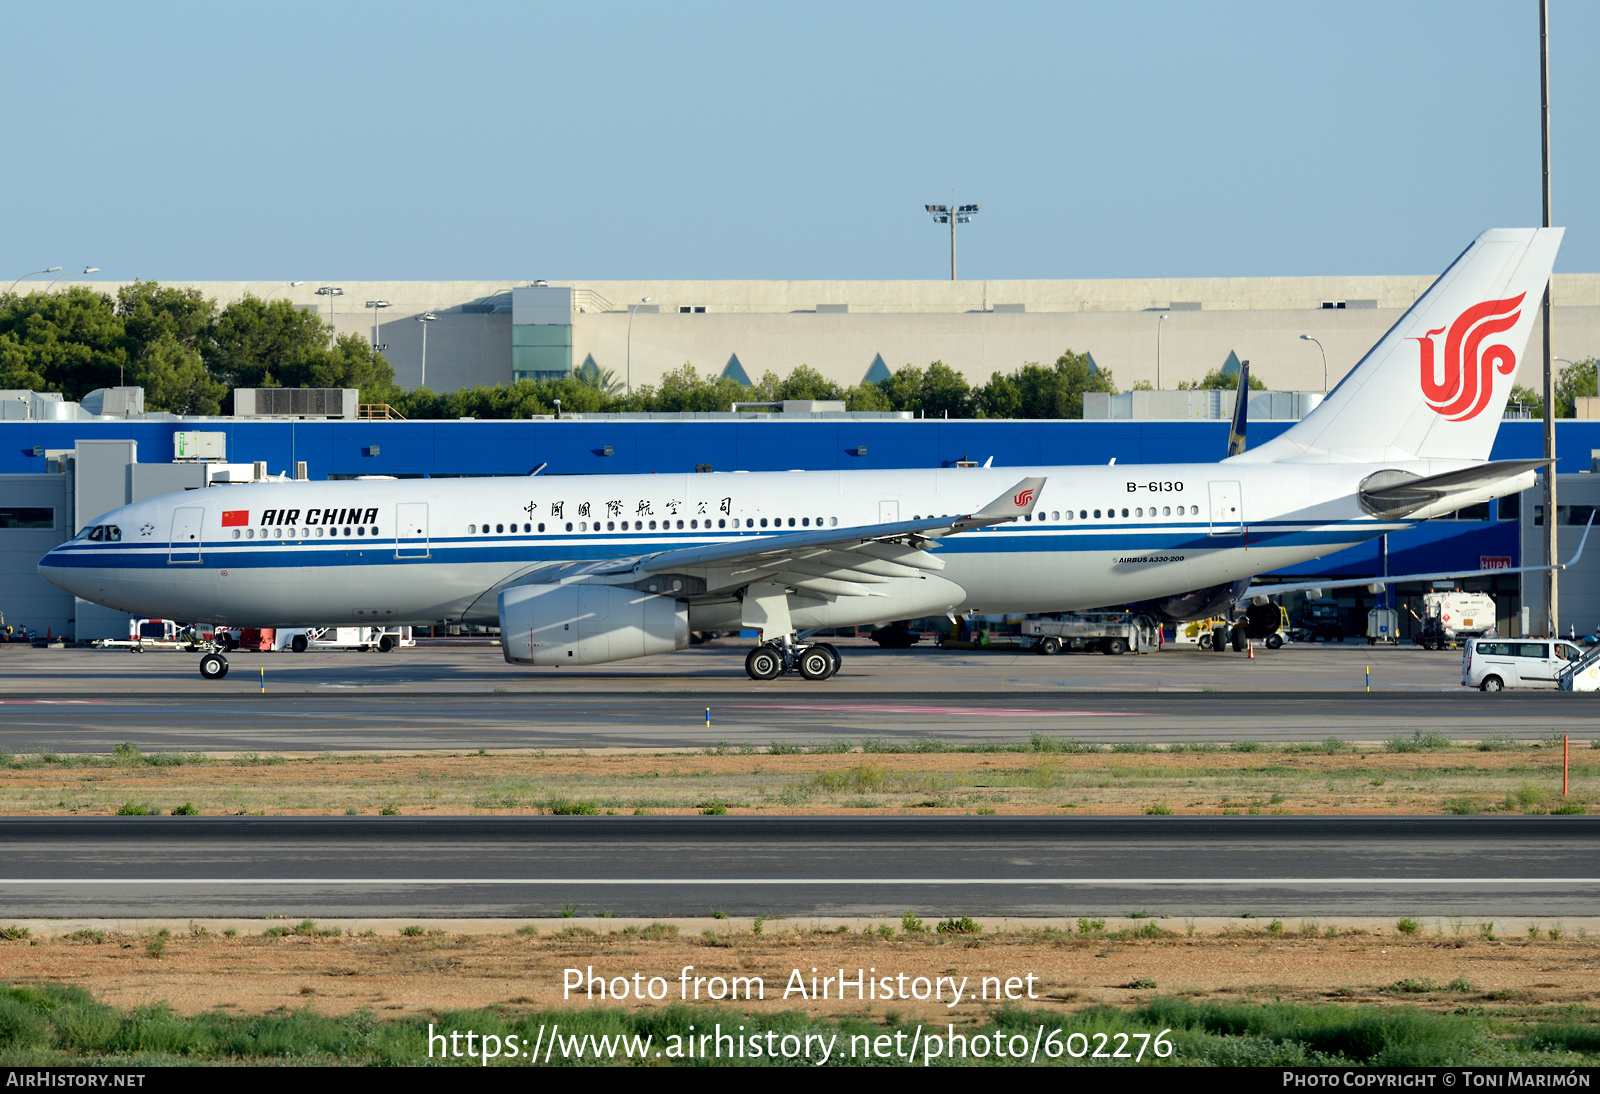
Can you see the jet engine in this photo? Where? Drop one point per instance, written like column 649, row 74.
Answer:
column 588, row 624
column 1199, row 604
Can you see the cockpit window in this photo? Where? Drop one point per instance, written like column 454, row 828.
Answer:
column 103, row 533
column 113, row 534
column 97, row 532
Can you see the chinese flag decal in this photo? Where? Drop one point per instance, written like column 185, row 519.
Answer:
column 235, row 518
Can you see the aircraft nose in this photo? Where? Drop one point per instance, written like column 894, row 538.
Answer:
column 53, row 568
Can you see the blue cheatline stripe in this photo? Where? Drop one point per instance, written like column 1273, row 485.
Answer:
column 468, row 550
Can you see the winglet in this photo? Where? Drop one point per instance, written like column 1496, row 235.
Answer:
column 1576, row 555
column 1014, row 504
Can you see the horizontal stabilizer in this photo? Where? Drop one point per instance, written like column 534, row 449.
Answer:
column 1396, row 493
column 1375, row 583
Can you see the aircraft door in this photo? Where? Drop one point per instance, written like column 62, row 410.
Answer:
column 1227, row 509
column 411, row 529
column 888, row 512
column 185, row 543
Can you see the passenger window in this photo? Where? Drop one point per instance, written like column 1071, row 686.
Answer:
column 832, row 521
column 472, row 530
column 541, row 526
column 569, row 526
column 1097, row 514
column 722, row 523
column 236, row 533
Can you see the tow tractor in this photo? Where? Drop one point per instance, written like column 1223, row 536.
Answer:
column 1108, row 632
column 160, row 634
column 365, row 639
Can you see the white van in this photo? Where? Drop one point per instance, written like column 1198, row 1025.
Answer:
column 1494, row 663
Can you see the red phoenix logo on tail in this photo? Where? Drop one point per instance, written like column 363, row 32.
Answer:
column 1022, row 499
column 1459, row 387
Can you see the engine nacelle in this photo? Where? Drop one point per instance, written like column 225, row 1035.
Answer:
column 588, row 624
column 1199, row 604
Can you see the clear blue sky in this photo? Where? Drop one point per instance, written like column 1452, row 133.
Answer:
column 562, row 140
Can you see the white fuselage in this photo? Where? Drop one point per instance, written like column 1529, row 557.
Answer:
column 420, row 551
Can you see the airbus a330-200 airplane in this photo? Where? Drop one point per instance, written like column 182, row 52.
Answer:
column 581, row 570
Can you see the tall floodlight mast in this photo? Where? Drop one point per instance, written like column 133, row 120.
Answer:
column 952, row 215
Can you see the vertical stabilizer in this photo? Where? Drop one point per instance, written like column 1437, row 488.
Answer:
column 1241, row 412
column 1435, row 385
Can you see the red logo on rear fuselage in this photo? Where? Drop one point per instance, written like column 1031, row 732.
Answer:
column 1019, row 500
column 1459, row 387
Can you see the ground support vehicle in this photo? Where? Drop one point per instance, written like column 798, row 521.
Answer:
column 1450, row 618
column 1323, row 621
column 1197, row 632
column 896, row 636
column 1107, row 632
column 1493, row 664
column 1582, row 674
column 365, row 639
column 160, row 634
column 1383, row 625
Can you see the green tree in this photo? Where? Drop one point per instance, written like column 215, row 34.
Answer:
column 165, row 330
column 71, row 341
column 1528, row 399
column 1574, row 381
column 1037, row 391
column 684, row 390
column 866, row 397
column 806, row 382
column 271, row 343
column 1216, row 380
column 175, row 379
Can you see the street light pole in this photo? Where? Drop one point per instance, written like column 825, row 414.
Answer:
column 425, row 318
column 1552, row 588
column 631, row 309
column 1308, row 338
column 24, row 277
column 86, row 270
column 952, row 215
column 376, row 306
column 331, row 291
column 1160, row 322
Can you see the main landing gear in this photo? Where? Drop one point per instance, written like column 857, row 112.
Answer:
column 770, row 660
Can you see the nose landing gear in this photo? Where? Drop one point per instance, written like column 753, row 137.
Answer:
column 213, row 666
column 770, row 660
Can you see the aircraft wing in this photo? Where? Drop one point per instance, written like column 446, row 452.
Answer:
column 1376, row 584
column 830, row 561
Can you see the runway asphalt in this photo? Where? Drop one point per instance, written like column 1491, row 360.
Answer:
column 467, row 697
column 796, row 866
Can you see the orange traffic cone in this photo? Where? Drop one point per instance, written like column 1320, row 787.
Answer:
column 1252, row 645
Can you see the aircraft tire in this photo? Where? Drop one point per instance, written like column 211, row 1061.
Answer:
column 838, row 661
column 213, row 666
column 815, row 664
column 763, row 663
